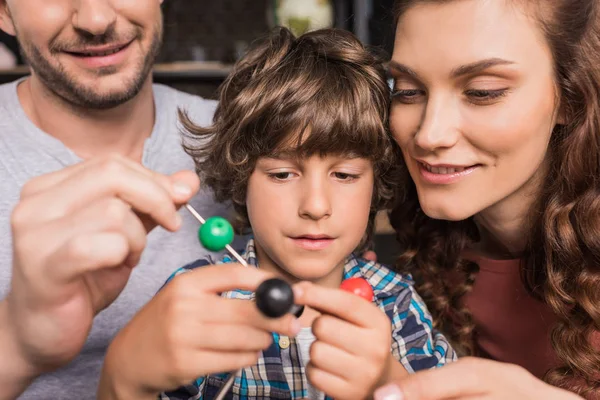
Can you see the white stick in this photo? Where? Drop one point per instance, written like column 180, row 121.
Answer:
column 229, row 382
column 230, row 249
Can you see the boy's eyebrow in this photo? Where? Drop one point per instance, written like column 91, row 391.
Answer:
column 283, row 155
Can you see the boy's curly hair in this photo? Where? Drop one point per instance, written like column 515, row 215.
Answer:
column 322, row 93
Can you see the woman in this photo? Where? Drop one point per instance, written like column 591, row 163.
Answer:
column 497, row 112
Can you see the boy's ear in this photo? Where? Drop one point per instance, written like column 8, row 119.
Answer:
column 6, row 22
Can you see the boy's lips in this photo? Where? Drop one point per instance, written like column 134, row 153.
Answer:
column 312, row 241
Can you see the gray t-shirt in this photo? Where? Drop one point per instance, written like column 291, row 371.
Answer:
column 26, row 152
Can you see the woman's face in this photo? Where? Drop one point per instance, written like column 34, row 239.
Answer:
column 473, row 106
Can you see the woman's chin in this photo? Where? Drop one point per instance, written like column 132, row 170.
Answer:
column 446, row 212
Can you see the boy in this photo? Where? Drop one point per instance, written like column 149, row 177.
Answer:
column 300, row 146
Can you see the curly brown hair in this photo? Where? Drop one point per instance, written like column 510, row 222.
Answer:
column 562, row 260
column 321, row 93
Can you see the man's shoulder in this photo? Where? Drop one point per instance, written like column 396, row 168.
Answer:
column 199, row 109
column 8, row 96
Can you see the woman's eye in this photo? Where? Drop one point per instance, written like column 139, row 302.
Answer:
column 484, row 96
column 407, row 96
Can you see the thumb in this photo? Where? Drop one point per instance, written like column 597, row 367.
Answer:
column 388, row 392
column 225, row 277
column 185, row 184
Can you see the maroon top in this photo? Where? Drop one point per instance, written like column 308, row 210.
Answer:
column 511, row 325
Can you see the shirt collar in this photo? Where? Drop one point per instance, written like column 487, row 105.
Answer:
column 385, row 283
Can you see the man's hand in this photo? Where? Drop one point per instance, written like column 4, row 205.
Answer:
column 77, row 233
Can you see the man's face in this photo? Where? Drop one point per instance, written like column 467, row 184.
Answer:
column 92, row 53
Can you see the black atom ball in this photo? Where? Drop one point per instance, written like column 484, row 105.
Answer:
column 274, row 298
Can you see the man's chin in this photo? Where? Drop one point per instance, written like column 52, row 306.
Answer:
column 101, row 93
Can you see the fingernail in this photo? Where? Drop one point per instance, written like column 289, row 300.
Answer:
column 388, row 392
column 295, row 327
column 298, row 292
column 181, row 189
column 178, row 220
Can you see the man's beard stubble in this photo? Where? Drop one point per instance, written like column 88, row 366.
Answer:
column 66, row 87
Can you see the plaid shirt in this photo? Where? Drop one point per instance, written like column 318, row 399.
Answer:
column 279, row 373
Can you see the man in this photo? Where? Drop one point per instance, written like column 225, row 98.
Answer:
column 89, row 154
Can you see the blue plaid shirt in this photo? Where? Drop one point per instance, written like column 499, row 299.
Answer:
column 279, row 373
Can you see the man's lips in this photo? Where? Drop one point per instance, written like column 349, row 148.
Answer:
column 99, row 51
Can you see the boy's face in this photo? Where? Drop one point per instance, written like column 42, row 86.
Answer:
column 309, row 214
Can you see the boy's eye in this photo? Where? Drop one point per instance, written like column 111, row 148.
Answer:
column 344, row 176
column 280, row 176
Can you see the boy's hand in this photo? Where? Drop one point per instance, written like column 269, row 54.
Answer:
column 351, row 355
column 187, row 331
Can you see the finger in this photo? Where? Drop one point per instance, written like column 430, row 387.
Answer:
column 43, row 182
column 229, row 337
column 183, row 185
column 48, row 181
column 89, row 252
column 463, row 379
column 246, row 313
column 144, row 194
column 333, row 386
column 74, row 247
column 212, row 362
column 333, row 360
column 342, row 304
column 136, row 234
column 221, row 278
column 214, row 280
column 370, row 255
column 341, row 334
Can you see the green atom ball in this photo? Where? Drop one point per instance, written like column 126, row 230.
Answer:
column 215, row 233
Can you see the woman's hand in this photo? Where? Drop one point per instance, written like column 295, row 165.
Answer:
column 472, row 378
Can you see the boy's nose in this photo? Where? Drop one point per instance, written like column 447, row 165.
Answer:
column 315, row 202
column 94, row 17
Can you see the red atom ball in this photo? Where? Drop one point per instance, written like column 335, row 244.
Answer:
column 359, row 287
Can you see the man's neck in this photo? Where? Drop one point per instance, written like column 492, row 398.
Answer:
column 89, row 133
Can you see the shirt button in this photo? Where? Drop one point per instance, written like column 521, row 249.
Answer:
column 284, row 342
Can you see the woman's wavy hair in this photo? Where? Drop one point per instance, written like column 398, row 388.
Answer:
column 562, row 260
column 319, row 94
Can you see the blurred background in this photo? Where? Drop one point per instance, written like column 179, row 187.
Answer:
column 203, row 38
